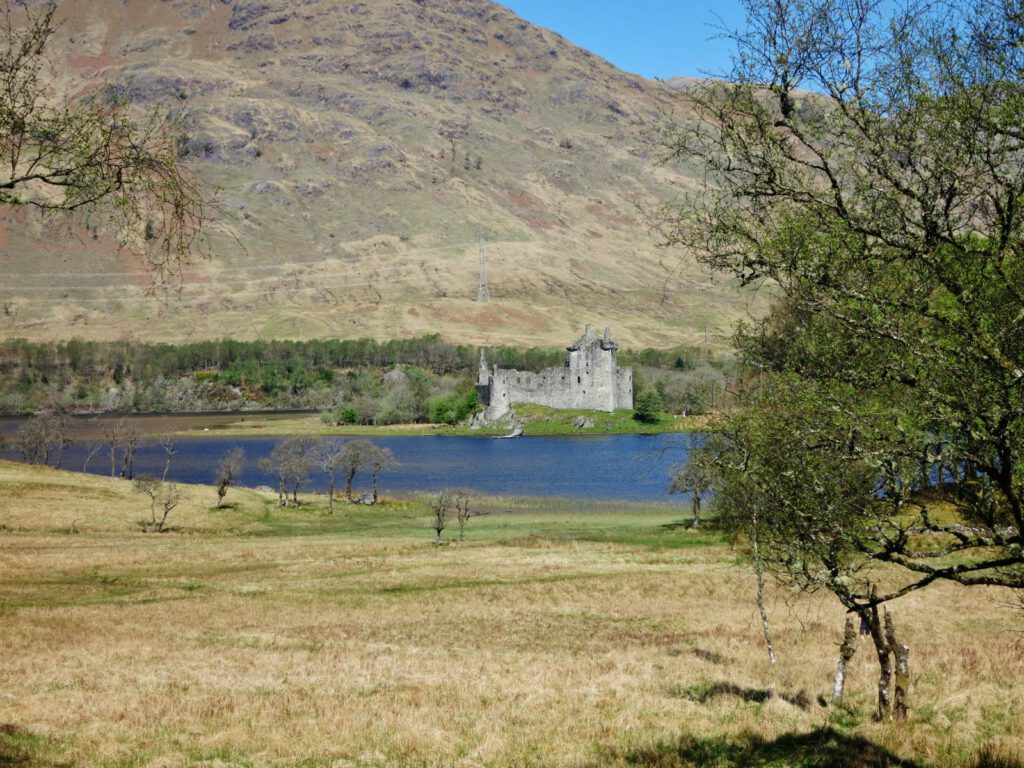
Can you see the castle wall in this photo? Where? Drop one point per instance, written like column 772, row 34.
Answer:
column 624, row 388
column 589, row 380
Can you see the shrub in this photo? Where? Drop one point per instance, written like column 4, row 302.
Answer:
column 648, row 406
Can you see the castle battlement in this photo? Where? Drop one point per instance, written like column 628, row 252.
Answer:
column 590, row 379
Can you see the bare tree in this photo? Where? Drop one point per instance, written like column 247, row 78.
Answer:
column 441, row 506
column 90, row 154
column 163, row 498
column 131, row 438
column 352, row 458
column 380, row 459
column 113, row 438
column 44, row 438
column 94, row 448
column 327, row 455
column 166, row 441
column 227, row 470
column 462, row 501
column 693, row 478
column 292, row 459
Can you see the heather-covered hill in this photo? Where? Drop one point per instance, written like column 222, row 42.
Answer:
column 361, row 148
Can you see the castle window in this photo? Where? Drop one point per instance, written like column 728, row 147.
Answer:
column 579, row 379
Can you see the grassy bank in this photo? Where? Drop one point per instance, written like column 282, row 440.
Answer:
column 558, row 634
column 537, row 419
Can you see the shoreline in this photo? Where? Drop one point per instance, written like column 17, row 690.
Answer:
column 536, row 422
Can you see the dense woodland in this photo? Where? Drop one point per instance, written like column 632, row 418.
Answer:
column 356, row 381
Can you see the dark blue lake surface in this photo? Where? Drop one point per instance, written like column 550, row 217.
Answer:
column 634, row 467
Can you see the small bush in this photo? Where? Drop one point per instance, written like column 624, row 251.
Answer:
column 648, row 407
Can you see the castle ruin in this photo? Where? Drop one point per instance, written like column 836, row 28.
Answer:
column 590, row 379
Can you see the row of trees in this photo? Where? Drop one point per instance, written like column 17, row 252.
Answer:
column 44, row 439
column 237, row 361
column 294, row 458
column 349, row 379
column 867, row 162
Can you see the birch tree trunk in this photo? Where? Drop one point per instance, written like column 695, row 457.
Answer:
column 884, row 665
column 902, row 677
column 759, row 571
column 846, row 651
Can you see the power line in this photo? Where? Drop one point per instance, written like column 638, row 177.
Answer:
column 144, row 297
column 256, row 268
column 298, row 276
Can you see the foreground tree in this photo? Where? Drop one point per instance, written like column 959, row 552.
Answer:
column 91, row 155
column 870, row 167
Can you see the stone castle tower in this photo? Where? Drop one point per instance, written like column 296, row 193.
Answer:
column 590, row 379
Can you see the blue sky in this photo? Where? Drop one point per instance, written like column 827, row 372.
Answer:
column 654, row 38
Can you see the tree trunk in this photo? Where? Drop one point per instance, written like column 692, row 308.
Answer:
column 846, row 651
column 696, row 511
column 902, row 680
column 759, row 571
column 376, row 475
column 330, row 496
column 884, row 664
column 348, row 485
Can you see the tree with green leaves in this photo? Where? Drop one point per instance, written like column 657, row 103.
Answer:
column 92, row 154
column 648, row 406
column 866, row 162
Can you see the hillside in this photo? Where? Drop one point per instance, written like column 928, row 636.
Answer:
column 361, row 148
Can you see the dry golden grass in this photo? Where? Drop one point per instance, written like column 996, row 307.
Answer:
column 233, row 641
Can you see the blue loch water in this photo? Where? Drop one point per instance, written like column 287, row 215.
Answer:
column 629, row 467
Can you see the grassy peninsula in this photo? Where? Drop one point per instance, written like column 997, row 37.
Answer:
column 537, row 421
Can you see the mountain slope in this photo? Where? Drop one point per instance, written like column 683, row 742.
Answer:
column 361, row 148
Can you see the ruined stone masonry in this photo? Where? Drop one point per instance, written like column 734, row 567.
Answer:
column 590, row 379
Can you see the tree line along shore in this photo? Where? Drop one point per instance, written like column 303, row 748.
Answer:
column 353, row 382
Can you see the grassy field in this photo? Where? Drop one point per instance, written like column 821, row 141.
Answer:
column 537, row 419
column 557, row 634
